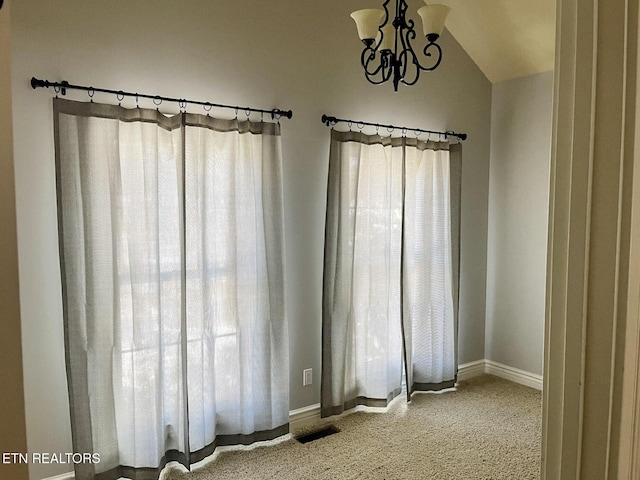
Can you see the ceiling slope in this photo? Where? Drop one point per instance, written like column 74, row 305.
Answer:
column 507, row 39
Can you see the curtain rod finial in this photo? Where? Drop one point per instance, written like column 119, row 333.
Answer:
column 327, row 120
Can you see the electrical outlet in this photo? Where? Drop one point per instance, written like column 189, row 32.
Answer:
column 307, row 377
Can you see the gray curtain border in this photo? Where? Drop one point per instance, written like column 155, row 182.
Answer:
column 359, row 401
column 455, row 159
column 78, row 390
column 365, row 139
column 238, row 439
column 117, row 112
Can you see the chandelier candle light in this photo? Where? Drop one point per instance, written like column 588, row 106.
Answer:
column 388, row 53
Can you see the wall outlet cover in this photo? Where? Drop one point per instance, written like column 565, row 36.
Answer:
column 307, row 377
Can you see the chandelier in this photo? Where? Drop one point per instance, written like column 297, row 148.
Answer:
column 388, row 53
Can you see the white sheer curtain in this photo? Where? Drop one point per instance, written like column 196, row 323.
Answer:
column 362, row 344
column 391, row 267
column 428, row 308
column 173, row 290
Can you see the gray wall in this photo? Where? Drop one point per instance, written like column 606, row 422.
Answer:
column 521, row 119
column 291, row 54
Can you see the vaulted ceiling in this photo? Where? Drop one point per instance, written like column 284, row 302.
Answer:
column 506, row 38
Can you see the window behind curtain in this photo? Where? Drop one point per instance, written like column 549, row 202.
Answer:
column 391, row 269
column 171, row 242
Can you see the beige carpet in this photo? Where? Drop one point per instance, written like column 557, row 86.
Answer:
column 488, row 429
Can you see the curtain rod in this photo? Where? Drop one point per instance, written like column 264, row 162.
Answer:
column 331, row 121
column 62, row 87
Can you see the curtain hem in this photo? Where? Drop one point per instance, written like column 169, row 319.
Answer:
column 432, row 387
column 238, row 439
column 359, row 401
column 143, row 473
column 152, row 473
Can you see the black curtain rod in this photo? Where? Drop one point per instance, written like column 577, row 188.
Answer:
column 157, row 99
column 331, row 121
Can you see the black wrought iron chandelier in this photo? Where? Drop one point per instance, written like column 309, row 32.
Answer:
column 388, row 53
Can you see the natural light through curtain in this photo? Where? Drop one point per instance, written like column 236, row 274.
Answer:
column 171, row 243
column 392, row 239
column 428, row 315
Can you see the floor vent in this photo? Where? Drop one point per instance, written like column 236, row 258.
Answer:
column 310, row 437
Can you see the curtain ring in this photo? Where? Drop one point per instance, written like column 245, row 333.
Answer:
column 120, row 97
column 416, row 133
column 91, row 92
column 56, row 89
column 182, row 103
column 157, row 103
column 390, row 129
column 207, row 109
column 236, row 117
column 137, row 101
column 349, row 123
column 247, row 112
column 360, row 126
column 261, row 117
column 404, row 131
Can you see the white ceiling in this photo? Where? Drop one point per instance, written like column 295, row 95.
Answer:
column 506, row 38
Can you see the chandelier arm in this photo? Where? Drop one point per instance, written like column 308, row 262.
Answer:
column 401, row 13
column 408, row 56
column 428, row 54
column 388, row 69
column 368, row 55
column 386, row 16
column 368, row 58
column 419, row 66
column 386, row 74
column 406, row 29
column 371, row 52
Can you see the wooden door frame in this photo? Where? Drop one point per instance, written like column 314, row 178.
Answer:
column 589, row 247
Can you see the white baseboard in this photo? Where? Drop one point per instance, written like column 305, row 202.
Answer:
column 305, row 416
column 63, row 476
column 513, row 374
column 302, row 417
column 471, row 369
